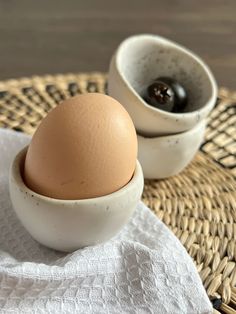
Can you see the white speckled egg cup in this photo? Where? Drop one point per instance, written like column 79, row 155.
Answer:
column 68, row 225
column 142, row 58
column 165, row 156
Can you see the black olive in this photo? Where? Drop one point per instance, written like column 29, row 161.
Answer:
column 160, row 95
column 181, row 98
column 166, row 94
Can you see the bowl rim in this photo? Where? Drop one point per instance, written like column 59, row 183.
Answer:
column 186, row 51
column 197, row 128
column 16, row 176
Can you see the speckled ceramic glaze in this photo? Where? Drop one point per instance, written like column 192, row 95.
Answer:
column 69, row 225
column 166, row 156
column 142, row 58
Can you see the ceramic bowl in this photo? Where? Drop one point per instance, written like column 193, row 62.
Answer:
column 165, row 156
column 67, row 225
column 142, row 58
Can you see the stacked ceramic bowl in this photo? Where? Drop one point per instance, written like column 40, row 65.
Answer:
column 167, row 141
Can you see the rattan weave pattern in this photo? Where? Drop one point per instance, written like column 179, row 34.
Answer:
column 199, row 205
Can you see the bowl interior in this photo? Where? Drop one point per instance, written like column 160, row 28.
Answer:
column 141, row 59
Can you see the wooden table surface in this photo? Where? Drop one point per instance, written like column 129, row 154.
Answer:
column 59, row 36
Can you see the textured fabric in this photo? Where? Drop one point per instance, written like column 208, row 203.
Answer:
column 144, row 269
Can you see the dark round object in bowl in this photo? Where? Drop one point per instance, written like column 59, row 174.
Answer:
column 181, row 98
column 167, row 94
column 160, row 95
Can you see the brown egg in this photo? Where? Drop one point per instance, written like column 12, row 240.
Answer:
column 86, row 147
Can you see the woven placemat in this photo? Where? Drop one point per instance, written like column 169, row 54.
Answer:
column 199, row 205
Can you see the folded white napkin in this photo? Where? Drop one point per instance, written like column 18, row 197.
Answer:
column 144, row 269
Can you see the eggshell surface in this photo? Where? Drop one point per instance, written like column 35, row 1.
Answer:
column 85, row 147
